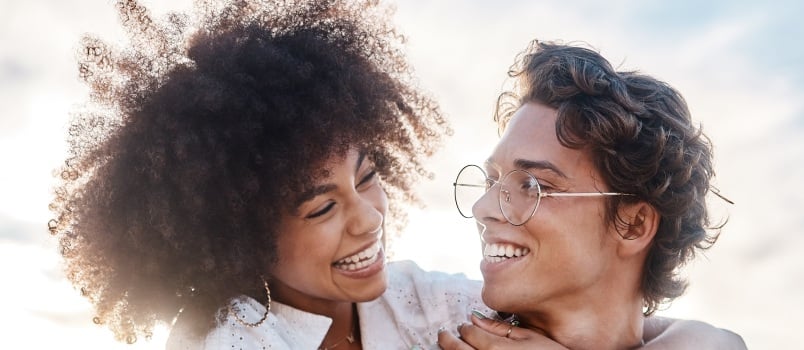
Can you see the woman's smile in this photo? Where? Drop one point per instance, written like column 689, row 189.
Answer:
column 363, row 263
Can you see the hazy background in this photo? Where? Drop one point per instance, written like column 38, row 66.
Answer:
column 740, row 65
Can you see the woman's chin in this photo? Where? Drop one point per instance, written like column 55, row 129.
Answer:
column 373, row 293
column 371, row 289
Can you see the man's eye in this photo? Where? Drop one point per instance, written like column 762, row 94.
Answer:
column 490, row 183
column 530, row 184
column 546, row 187
column 321, row 212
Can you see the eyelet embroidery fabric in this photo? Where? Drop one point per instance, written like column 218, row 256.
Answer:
column 409, row 313
column 415, row 305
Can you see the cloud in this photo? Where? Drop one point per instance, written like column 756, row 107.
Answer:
column 16, row 231
column 12, row 71
column 15, row 85
column 739, row 64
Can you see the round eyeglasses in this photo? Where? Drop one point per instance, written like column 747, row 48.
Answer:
column 519, row 196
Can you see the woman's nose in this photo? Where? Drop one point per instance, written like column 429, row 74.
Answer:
column 368, row 212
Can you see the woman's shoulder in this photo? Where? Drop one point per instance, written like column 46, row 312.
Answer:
column 284, row 327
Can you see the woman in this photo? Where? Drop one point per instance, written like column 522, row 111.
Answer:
column 589, row 204
column 237, row 181
column 251, row 165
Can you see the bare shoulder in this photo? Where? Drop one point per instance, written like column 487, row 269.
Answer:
column 670, row 333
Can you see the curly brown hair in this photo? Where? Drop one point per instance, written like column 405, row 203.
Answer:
column 641, row 138
column 202, row 132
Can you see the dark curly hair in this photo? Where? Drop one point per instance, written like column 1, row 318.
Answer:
column 203, row 131
column 641, row 138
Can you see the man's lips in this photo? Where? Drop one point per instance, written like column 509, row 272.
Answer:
column 497, row 252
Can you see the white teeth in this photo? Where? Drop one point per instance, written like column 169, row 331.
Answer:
column 361, row 259
column 356, row 265
column 497, row 252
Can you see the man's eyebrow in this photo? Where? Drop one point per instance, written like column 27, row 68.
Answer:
column 489, row 164
column 525, row 164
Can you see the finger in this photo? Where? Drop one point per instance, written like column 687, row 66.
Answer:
column 498, row 328
column 479, row 338
column 447, row 341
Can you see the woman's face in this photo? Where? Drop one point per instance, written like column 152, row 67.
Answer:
column 562, row 255
column 331, row 248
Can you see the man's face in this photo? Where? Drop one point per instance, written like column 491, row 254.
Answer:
column 562, row 256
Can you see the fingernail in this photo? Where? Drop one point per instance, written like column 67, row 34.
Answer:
column 441, row 329
column 459, row 327
column 479, row 314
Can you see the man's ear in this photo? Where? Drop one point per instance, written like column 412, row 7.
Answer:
column 637, row 226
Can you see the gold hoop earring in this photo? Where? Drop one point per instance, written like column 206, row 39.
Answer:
column 267, row 308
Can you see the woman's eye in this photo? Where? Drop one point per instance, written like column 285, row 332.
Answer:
column 371, row 176
column 321, row 211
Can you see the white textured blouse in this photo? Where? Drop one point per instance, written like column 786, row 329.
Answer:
column 408, row 315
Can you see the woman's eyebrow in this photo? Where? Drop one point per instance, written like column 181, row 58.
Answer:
column 360, row 158
column 312, row 192
column 321, row 189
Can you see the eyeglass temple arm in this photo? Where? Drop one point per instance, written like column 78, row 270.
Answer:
column 467, row 185
column 716, row 191
column 590, row 194
column 584, row 194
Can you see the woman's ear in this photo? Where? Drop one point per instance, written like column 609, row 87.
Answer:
column 640, row 222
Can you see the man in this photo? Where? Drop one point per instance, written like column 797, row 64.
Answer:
column 590, row 202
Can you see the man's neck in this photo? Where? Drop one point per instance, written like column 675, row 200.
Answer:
column 614, row 324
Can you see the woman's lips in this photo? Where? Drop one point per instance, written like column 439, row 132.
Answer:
column 360, row 259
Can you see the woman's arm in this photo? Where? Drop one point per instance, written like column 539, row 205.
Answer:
column 659, row 333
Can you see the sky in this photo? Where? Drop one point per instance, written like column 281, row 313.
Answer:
column 739, row 64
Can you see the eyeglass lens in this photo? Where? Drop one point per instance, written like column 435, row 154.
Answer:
column 470, row 185
column 518, row 193
column 519, row 196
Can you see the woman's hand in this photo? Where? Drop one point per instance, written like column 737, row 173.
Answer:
column 485, row 333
